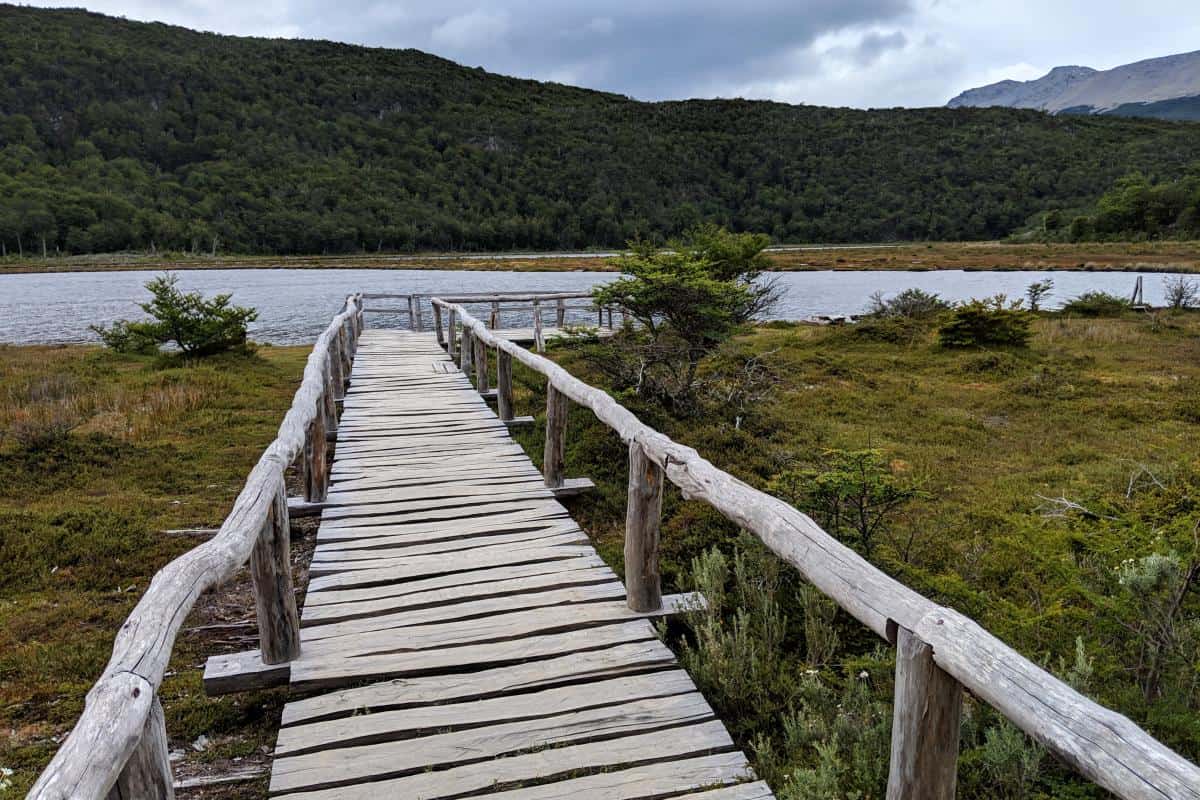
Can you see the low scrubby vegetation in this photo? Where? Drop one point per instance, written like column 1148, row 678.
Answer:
column 99, row 453
column 1044, row 485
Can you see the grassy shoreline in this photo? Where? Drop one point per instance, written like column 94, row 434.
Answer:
column 1117, row 256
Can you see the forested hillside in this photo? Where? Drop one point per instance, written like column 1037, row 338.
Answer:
column 116, row 134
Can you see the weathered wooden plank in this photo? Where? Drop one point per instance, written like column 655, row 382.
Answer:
column 381, row 560
column 564, row 533
column 553, row 461
column 652, row 781
column 502, row 773
column 375, row 762
column 504, row 395
column 274, row 593
column 383, row 726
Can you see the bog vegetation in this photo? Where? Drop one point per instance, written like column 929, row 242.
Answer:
column 1038, row 473
column 117, row 134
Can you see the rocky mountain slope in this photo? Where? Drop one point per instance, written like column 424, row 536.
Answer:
column 1167, row 88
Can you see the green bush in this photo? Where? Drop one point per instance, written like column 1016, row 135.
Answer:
column 1096, row 304
column 992, row 321
column 910, row 304
column 198, row 326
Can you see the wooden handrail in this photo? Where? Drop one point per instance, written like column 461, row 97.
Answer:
column 1102, row 745
column 120, row 707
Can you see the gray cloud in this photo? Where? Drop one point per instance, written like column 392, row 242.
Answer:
column 831, row 52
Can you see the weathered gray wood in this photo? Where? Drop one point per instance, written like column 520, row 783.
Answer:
column 335, row 371
column 554, row 454
column 504, row 392
column 642, row 516
column 437, row 326
column 560, row 313
column 373, row 762
column 465, row 350
column 539, row 339
column 147, row 773
column 381, row 726
column 481, row 366
column 925, row 722
column 571, row 487
column 412, row 314
column 452, row 333
column 573, row 668
column 494, row 321
column 653, row 780
column 316, row 472
column 274, row 595
column 708, row 737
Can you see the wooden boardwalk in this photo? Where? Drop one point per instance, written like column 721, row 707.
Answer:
column 463, row 636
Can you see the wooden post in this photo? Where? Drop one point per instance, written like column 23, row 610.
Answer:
column 274, row 595
column 316, row 478
column 599, row 316
column 481, row 365
column 335, row 370
column 560, row 313
column 418, row 322
column 925, row 720
column 465, row 350
column 504, row 399
column 452, row 334
column 147, row 773
column 539, row 341
column 327, row 401
column 412, row 314
column 494, row 322
column 344, row 354
column 554, row 456
column 437, row 325
column 643, row 585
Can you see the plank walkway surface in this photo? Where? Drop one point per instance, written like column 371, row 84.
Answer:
column 460, row 636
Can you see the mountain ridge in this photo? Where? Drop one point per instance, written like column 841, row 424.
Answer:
column 1166, row 87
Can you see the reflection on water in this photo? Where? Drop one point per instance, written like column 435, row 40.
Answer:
column 295, row 304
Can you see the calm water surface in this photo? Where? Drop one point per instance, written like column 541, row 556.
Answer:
column 295, row 304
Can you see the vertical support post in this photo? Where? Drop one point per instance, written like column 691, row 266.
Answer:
column 539, row 340
column 147, row 773
column 412, row 313
column 316, row 478
column 599, row 316
column 330, row 407
column 560, row 312
column 925, row 720
column 274, row 594
column 437, row 326
column 504, row 398
column 418, row 321
column 643, row 584
column 344, row 353
column 335, row 369
column 494, row 321
column 452, row 334
column 481, row 365
column 465, row 351
column 610, row 318
column 554, row 456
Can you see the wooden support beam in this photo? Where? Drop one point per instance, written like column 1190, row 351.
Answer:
column 274, row 594
column 316, row 469
column 329, row 408
column 539, row 339
column 504, row 398
column 518, row 422
column 452, row 335
column 572, row 487
column 481, row 366
column 643, row 584
column 466, row 346
column 494, row 320
column 560, row 312
column 437, row 325
column 335, row 370
column 925, row 720
column 554, row 456
column 147, row 773
column 299, row 507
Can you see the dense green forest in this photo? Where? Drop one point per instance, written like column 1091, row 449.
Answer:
column 1137, row 208
column 117, row 134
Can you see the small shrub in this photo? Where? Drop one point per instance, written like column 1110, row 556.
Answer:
column 198, row 326
column 992, row 321
column 1096, row 304
column 893, row 330
column 1038, row 291
column 1181, row 293
column 910, row 303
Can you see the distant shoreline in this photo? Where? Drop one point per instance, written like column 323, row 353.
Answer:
column 971, row 256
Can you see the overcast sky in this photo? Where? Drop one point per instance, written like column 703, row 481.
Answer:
column 864, row 53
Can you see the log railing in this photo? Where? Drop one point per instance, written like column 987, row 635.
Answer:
column 940, row 652
column 118, row 748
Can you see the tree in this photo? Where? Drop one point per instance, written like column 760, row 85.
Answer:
column 1181, row 292
column 198, row 326
column 686, row 299
column 1038, row 291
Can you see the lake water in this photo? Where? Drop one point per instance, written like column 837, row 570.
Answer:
column 295, row 305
